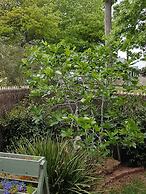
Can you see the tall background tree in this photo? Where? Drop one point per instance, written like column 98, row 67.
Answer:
column 79, row 22
column 130, row 24
column 82, row 22
column 22, row 23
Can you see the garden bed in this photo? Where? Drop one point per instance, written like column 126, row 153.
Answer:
column 114, row 178
column 22, row 174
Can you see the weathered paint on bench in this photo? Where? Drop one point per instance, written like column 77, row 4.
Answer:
column 26, row 166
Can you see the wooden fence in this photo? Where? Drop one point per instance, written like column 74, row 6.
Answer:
column 122, row 93
column 9, row 96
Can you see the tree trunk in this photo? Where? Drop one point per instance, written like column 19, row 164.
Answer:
column 108, row 26
column 108, row 16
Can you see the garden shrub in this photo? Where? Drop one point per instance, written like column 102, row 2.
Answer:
column 19, row 123
column 134, row 157
column 24, row 122
column 68, row 172
column 133, row 106
column 77, row 93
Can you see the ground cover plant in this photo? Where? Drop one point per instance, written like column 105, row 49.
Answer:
column 10, row 187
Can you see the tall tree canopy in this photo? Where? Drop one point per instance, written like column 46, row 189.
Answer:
column 82, row 21
column 130, row 24
column 79, row 22
column 28, row 20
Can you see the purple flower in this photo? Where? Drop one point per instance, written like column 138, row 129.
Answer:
column 6, row 192
column 8, row 185
column 15, row 182
column 20, row 188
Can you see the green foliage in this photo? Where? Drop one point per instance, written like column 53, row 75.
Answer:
column 128, row 136
column 17, row 124
column 29, row 20
column 78, row 22
column 10, row 59
column 82, row 22
column 133, row 152
column 76, row 92
column 120, row 110
column 73, row 82
column 30, row 189
column 129, row 24
column 67, row 169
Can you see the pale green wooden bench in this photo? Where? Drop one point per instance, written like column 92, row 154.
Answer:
column 27, row 166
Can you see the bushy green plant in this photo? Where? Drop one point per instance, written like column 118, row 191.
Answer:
column 67, row 169
column 10, row 60
column 132, row 152
column 18, row 123
column 76, row 91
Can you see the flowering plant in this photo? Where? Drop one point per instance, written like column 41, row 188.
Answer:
column 12, row 187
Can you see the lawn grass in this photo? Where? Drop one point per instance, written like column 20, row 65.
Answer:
column 136, row 187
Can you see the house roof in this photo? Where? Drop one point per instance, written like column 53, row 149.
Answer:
column 138, row 64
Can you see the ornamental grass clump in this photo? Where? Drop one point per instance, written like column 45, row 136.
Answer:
column 67, row 169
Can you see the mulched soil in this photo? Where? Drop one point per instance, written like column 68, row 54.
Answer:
column 115, row 176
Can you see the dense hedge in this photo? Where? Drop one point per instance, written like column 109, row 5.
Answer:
column 16, row 124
